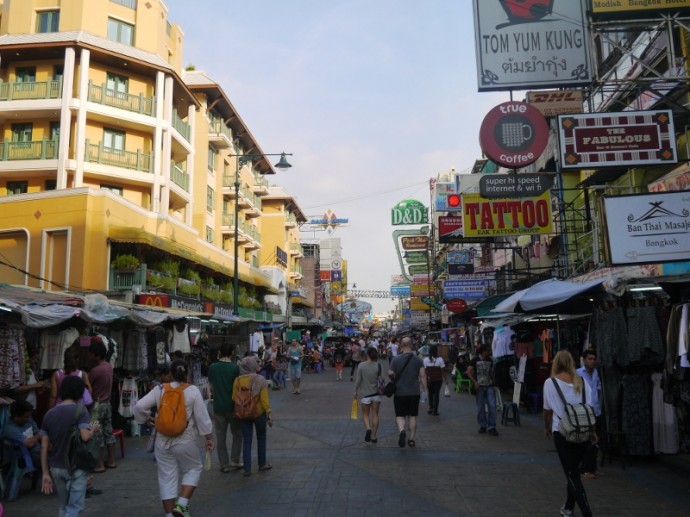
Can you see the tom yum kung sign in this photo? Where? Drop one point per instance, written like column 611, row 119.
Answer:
column 616, row 139
column 648, row 227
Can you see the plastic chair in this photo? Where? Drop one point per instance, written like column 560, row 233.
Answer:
column 16, row 464
column 461, row 381
column 511, row 413
column 120, row 435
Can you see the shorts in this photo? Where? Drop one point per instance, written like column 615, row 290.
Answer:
column 406, row 405
column 104, row 436
column 366, row 401
column 295, row 370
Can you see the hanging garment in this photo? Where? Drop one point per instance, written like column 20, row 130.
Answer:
column 637, row 414
column 645, row 345
column 608, row 331
column 129, row 395
column 12, row 358
column 53, row 345
column 131, row 356
column 179, row 338
column 664, row 424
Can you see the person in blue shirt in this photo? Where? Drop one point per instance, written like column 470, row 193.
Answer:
column 589, row 373
column 22, row 428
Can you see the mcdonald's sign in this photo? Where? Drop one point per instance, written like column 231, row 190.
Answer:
column 154, row 300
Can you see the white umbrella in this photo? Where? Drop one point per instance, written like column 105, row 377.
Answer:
column 549, row 293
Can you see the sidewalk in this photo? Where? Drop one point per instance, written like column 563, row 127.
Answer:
column 322, row 466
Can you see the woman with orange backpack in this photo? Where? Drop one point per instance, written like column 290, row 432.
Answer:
column 181, row 417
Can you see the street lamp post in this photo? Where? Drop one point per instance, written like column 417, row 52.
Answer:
column 240, row 160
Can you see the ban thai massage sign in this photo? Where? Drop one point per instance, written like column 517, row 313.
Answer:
column 496, row 217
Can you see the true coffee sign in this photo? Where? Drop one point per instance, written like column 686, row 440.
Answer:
column 514, row 134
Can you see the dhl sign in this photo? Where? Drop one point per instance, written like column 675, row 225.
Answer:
column 552, row 103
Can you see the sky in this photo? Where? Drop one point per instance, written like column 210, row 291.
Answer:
column 372, row 97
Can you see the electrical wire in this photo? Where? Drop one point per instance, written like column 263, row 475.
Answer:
column 366, row 196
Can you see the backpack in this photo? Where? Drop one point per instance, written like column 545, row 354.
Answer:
column 578, row 422
column 80, row 455
column 172, row 413
column 245, row 403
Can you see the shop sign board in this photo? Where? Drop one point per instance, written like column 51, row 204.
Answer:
column 409, row 211
column 449, row 229
column 325, row 276
column 402, row 291
column 416, row 304
column 616, row 139
column 418, row 269
column 514, row 185
column 623, row 9
column 648, row 228
column 491, row 218
column 462, row 256
column 415, row 242
column 465, row 289
column 398, row 280
column 154, row 300
column 531, row 44
column 416, row 257
column 552, row 103
column 456, row 305
column 514, row 134
column 460, row 269
column 336, row 276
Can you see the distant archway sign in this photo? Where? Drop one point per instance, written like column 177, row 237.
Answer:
column 514, row 134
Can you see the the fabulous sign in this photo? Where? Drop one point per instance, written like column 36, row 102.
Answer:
column 495, row 217
column 648, row 228
column 531, row 43
column 617, row 139
column 408, row 212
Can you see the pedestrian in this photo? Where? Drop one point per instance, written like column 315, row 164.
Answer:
column 591, row 376
column 177, row 457
column 101, row 379
column 434, row 367
column 408, row 371
column 295, row 356
column 367, row 388
column 259, row 389
column 70, row 368
column 221, row 376
column 571, row 454
column 392, row 350
column 481, row 371
column 355, row 351
column 339, row 360
column 55, row 436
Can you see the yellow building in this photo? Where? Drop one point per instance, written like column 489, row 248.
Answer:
column 109, row 148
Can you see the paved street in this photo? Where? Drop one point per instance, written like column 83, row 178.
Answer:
column 322, row 466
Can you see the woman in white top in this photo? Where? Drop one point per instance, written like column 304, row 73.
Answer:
column 367, row 387
column 435, row 371
column 571, row 454
column 177, row 457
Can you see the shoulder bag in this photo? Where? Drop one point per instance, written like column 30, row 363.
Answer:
column 389, row 389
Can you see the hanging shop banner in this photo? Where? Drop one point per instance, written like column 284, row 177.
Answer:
column 416, row 304
column 460, row 269
column 514, row 134
column 514, row 185
column 634, row 9
column 446, row 197
column 531, row 44
column 409, row 211
column 616, row 139
column 336, row 276
column 416, row 242
column 465, row 289
column 456, row 305
column 401, row 291
column 418, row 269
column 153, row 300
column 449, row 229
column 416, row 257
column 648, row 228
column 462, row 256
column 492, row 218
column 677, row 179
column 325, row 276
column 552, row 103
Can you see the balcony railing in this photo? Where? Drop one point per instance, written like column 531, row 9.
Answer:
column 135, row 103
column 182, row 127
column 125, row 279
column 41, row 150
column 217, row 126
column 250, row 229
column 290, row 220
column 297, row 248
column 179, row 176
column 137, row 161
column 32, row 90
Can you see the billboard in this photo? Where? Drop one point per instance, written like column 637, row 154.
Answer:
column 621, row 10
column 449, row 229
column 530, row 44
column 495, row 217
column 616, row 139
column 409, row 211
column 648, row 228
column 465, row 289
column 552, row 103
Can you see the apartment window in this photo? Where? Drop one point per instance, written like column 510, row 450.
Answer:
column 58, row 72
column 212, row 154
column 51, row 184
column 47, row 21
column 26, row 74
column 210, row 199
column 112, row 188
column 209, row 234
column 117, row 83
column 114, row 140
column 120, row 31
column 17, row 187
column 55, row 131
column 22, row 132
column 132, row 4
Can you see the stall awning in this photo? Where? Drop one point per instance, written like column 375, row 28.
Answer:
column 485, row 306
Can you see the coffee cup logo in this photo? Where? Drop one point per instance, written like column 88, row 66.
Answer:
column 515, row 134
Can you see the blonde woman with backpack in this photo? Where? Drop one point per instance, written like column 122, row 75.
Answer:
column 565, row 379
column 250, row 383
column 177, row 455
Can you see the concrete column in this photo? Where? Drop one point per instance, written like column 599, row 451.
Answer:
column 65, row 118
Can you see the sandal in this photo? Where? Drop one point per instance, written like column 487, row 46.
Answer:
column 374, row 440
column 411, row 443
column 225, row 469
column 401, row 439
column 267, row 466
